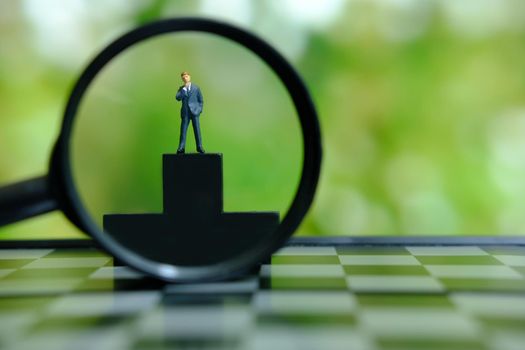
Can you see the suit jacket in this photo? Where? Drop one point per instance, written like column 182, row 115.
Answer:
column 191, row 101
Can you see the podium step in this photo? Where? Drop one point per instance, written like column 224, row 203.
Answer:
column 173, row 240
column 193, row 230
column 192, row 182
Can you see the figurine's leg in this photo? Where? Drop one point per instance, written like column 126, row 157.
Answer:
column 197, row 133
column 183, row 128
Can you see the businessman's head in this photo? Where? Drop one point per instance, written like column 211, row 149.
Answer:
column 186, row 77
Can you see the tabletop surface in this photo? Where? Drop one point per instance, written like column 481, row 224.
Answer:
column 307, row 297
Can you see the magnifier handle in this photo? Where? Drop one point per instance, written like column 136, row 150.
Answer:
column 25, row 199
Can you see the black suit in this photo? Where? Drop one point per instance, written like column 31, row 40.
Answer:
column 191, row 109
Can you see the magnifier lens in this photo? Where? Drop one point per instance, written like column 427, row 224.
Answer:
column 129, row 118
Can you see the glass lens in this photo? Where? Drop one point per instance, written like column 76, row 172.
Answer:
column 190, row 209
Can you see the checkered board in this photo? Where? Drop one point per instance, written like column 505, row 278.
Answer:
column 326, row 297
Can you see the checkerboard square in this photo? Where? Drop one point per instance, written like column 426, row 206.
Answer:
column 422, row 323
column 491, row 305
column 484, row 284
column 158, row 342
column 512, row 260
column 430, row 344
column 49, row 263
column 378, row 260
column 13, row 263
column 495, row 323
column 386, row 270
column 312, row 320
column 303, row 283
column 5, row 272
column 50, row 274
column 507, row 339
column 473, row 271
column 397, row 300
column 14, row 325
column 95, row 336
column 12, row 254
column 520, row 269
column 196, row 322
column 96, row 285
column 72, row 323
column 459, row 260
column 77, row 253
column 24, row 303
column 394, row 284
column 372, row 250
column 18, row 287
column 304, row 302
column 446, row 251
column 505, row 250
column 340, row 337
column 99, row 304
column 302, row 270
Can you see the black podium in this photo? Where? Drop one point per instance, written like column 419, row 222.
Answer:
column 193, row 230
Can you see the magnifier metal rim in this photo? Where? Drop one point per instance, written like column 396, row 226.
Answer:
column 311, row 145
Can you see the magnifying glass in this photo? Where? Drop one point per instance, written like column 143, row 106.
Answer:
column 59, row 190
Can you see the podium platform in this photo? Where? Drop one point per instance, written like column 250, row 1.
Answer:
column 193, row 229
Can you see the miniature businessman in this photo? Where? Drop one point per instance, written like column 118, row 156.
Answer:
column 191, row 98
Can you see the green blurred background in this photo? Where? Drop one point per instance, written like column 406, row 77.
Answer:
column 421, row 104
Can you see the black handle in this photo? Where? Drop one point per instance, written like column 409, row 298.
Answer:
column 26, row 199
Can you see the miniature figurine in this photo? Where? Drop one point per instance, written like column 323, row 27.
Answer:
column 191, row 97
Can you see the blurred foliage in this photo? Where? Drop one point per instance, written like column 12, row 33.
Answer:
column 421, row 103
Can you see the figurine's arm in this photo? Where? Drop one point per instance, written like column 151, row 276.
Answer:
column 179, row 95
column 199, row 97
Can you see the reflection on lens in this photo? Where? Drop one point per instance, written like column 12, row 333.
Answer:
column 169, row 207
